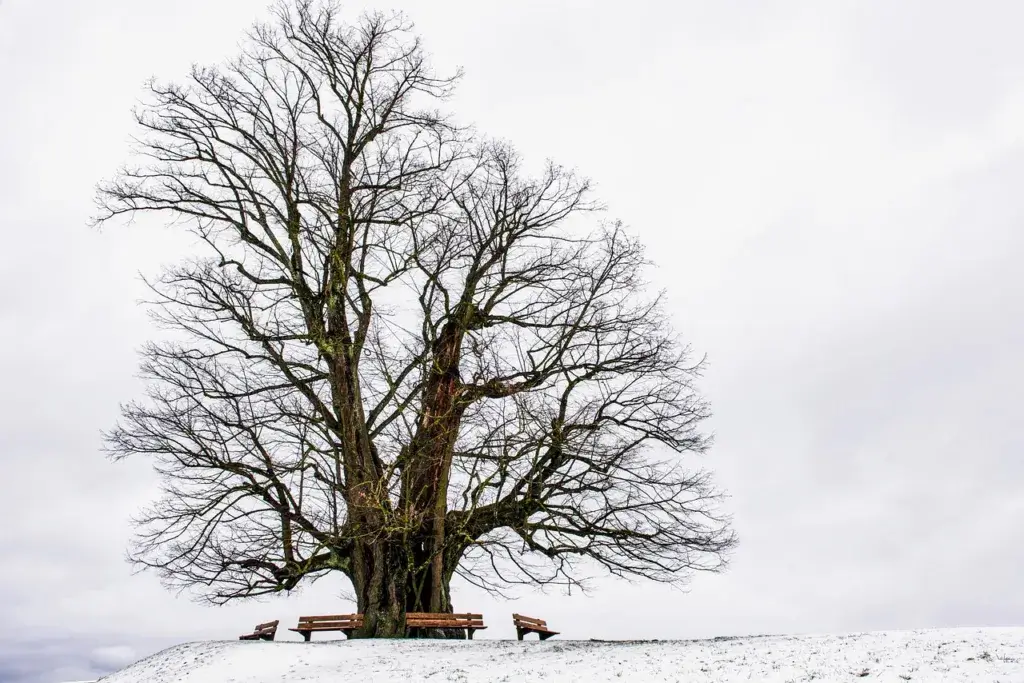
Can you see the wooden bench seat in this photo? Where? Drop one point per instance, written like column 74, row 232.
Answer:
column 469, row 622
column 265, row 631
column 346, row 623
column 526, row 625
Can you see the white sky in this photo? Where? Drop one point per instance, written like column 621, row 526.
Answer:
column 833, row 194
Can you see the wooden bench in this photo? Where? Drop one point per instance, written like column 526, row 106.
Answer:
column 265, row 631
column 346, row 623
column 526, row 625
column 469, row 622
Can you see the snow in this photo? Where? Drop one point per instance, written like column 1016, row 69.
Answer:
column 980, row 655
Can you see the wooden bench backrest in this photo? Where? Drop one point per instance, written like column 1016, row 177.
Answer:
column 529, row 622
column 267, row 627
column 442, row 620
column 332, row 621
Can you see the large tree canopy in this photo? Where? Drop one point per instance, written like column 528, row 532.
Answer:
column 399, row 356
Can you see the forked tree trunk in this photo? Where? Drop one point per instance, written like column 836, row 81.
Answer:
column 394, row 574
column 413, row 573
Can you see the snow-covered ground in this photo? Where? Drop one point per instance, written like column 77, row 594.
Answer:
column 980, row 655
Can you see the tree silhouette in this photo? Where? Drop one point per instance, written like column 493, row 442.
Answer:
column 399, row 356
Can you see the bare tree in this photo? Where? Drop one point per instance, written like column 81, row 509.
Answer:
column 400, row 358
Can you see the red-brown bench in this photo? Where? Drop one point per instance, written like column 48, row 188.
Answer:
column 469, row 622
column 526, row 625
column 265, row 631
column 346, row 623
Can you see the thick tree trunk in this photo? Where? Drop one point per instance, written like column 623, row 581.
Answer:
column 425, row 477
column 392, row 578
column 403, row 567
column 379, row 578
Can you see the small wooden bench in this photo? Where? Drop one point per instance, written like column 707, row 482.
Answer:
column 346, row 623
column 526, row 625
column 265, row 631
column 469, row 622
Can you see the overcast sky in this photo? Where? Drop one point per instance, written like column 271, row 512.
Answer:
column 833, row 193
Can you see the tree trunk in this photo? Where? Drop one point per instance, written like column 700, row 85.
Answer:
column 378, row 576
column 408, row 571
column 392, row 578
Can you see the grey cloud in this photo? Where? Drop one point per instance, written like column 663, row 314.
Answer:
column 52, row 660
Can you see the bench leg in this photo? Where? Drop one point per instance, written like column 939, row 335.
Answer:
column 469, row 632
column 545, row 636
column 520, row 633
column 306, row 635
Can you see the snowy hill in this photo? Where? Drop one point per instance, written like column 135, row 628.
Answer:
column 985, row 655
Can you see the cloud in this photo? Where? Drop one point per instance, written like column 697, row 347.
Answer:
column 113, row 656
column 61, row 659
